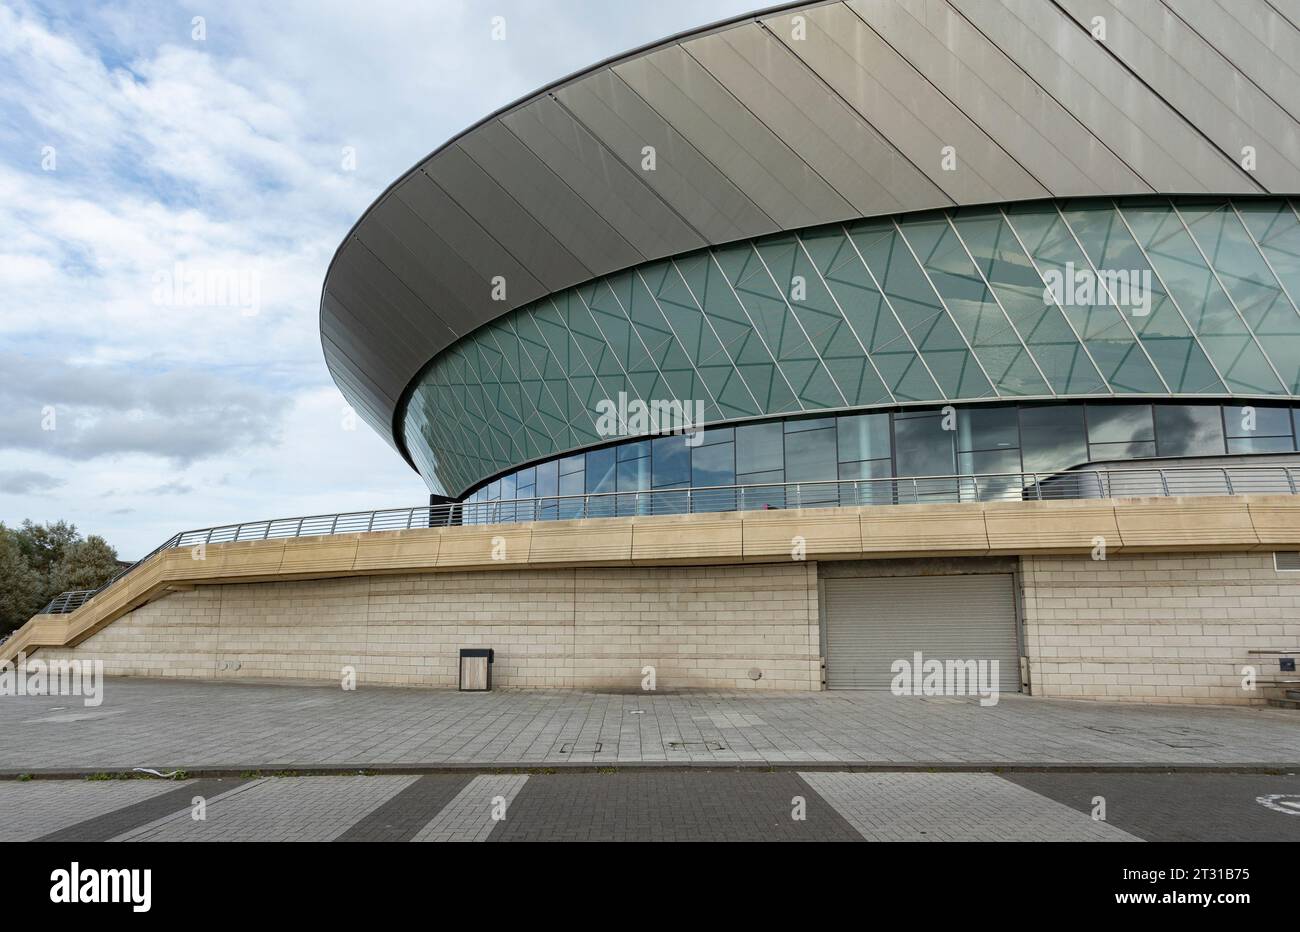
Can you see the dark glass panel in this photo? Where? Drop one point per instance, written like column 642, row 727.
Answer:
column 810, row 455
column 1051, row 437
column 1189, row 430
column 1260, row 445
column 1119, row 423
column 632, row 451
column 808, row 423
column 922, row 447
column 600, row 470
column 547, row 479
column 717, row 435
column 987, row 429
column 1267, row 422
column 713, row 465
column 759, row 448
column 672, row 461
column 863, row 437
column 1128, row 450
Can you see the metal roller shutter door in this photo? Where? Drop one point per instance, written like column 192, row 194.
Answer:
column 872, row 622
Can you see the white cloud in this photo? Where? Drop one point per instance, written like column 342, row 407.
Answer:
column 225, row 155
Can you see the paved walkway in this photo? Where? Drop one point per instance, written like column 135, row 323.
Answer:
column 661, row 805
column 237, row 727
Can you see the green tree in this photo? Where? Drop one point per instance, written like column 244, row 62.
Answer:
column 39, row 561
column 44, row 544
column 85, row 564
column 21, row 586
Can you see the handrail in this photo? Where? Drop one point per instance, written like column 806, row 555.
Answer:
column 1155, row 482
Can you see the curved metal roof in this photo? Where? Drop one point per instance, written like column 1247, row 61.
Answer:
column 804, row 115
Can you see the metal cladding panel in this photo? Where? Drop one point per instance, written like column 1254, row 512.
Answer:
column 831, row 137
column 694, row 187
column 412, row 254
column 613, row 190
column 391, row 309
column 465, row 241
column 1000, row 98
column 1196, row 79
column 907, row 109
column 759, row 162
column 757, row 129
column 1149, row 135
column 872, row 623
column 484, row 197
column 548, row 200
column 1255, row 38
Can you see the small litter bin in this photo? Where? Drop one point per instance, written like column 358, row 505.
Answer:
column 475, row 669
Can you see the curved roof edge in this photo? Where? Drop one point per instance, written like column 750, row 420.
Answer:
column 762, row 123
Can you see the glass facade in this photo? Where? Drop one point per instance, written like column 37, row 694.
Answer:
column 939, row 442
column 1095, row 298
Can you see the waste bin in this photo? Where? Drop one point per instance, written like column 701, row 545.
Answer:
column 475, row 669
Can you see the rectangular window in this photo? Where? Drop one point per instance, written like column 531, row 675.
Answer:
column 547, row 479
column 714, row 465
column 1256, row 421
column 808, row 423
column 633, row 451
column 987, row 429
column 1119, row 423
column 1051, row 437
column 671, row 462
column 1189, row 430
column 810, row 455
column 759, row 448
column 863, row 437
column 922, row 447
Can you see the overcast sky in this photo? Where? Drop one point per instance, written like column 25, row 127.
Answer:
column 127, row 146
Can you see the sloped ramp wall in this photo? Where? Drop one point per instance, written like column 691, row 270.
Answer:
column 699, row 627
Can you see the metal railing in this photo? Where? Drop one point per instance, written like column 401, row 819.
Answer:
column 919, row 490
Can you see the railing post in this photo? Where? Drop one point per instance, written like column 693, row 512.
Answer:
column 334, row 525
column 1290, row 479
column 1164, row 482
column 1038, row 488
column 1227, row 480
column 410, row 518
column 298, row 530
column 371, row 523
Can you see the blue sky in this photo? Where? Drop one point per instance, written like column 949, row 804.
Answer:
column 128, row 146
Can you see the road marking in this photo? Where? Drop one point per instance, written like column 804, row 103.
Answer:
column 470, row 816
column 953, row 807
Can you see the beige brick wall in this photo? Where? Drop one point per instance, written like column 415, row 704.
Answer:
column 1157, row 627
column 698, row 626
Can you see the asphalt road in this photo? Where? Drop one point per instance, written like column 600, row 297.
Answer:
column 662, row 805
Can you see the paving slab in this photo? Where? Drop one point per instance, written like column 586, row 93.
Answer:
column 210, row 727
